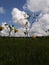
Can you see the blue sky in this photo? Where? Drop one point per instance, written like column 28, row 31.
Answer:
column 32, row 7
column 8, row 5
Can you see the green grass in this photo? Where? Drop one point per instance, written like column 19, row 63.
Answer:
column 24, row 51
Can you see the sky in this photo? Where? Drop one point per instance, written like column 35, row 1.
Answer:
column 15, row 12
column 7, row 6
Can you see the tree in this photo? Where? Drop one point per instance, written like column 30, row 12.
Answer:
column 26, row 31
column 11, row 28
column 35, row 18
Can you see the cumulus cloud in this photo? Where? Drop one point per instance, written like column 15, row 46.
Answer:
column 2, row 10
column 40, row 27
column 5, row 31
column 37, row 5
column 19, row 17
column 20, row 32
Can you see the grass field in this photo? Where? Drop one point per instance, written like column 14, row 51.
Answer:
column 24, row 51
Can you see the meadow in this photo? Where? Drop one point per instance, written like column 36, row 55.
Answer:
column 24, row 51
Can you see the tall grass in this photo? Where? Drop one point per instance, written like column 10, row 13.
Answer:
column 24, row 51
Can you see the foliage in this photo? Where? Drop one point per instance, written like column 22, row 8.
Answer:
column 1, row 28
column 15, row 30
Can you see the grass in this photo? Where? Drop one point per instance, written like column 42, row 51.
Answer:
column 24, row 51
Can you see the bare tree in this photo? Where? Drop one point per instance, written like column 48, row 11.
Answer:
column 11, row 28
column 26, row 31
column 35, row 18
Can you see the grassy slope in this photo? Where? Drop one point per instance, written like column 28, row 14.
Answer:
column 24, row 51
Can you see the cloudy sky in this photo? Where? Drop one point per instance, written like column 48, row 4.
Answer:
column 6, row 7
column 14, row 12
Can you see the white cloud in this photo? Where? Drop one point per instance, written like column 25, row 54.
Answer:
column 19, row 17
column 37, row 5
column 5, row 31
column 20, row 32
column 40, row 27
column 2, row 10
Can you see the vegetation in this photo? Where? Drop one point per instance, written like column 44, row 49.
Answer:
column 1, row 28
column 8, row 28
column 26, row 29
column 24, row 51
